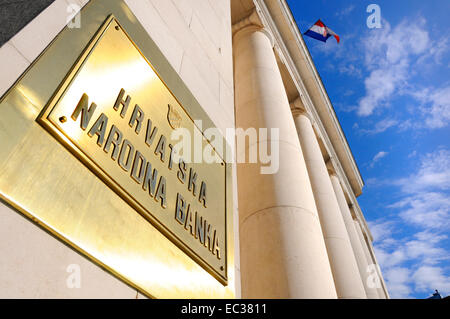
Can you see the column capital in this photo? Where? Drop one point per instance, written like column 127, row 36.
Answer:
column 298, row 108
column 251, row 20
column 252, row 23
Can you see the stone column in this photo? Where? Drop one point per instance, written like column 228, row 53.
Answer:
column 373, row 290
column 343, row 263
column 283, row 254
column 354, row 238
column 382, row 291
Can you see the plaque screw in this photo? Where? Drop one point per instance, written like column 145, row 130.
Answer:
column 63, row 119
column 117, row 27
column 221, row 268
column 221, row 163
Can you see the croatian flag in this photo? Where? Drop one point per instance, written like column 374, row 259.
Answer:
column 320, row 31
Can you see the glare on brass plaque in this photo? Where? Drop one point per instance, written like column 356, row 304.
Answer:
column 117, row 116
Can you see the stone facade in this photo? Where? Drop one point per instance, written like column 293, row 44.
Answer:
column 245, row 61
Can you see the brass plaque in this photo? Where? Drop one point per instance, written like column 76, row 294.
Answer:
column 118, row 117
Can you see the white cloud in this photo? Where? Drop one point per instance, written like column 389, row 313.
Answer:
column 372, row 181
column 390, row 60
column 380, row 229
column 380, row 85
column 412, row 154
column 426, row 202
column 392, row 257
column 427, row 249
column 388, row 55
column 401, row 259
column 428, row 278
column 386, row 47
column 430, row 210
column 398, row 279
column 434, row 173
column 394, row 56
column 435, row 106
column 381, row 126
column 345, row 12
column 349, row 92
column 350, row 69
column 377, row 157
column 435, row 52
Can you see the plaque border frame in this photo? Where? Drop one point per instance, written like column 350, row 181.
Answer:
column 42, row 80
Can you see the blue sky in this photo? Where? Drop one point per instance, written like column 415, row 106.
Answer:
column 390, row 88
